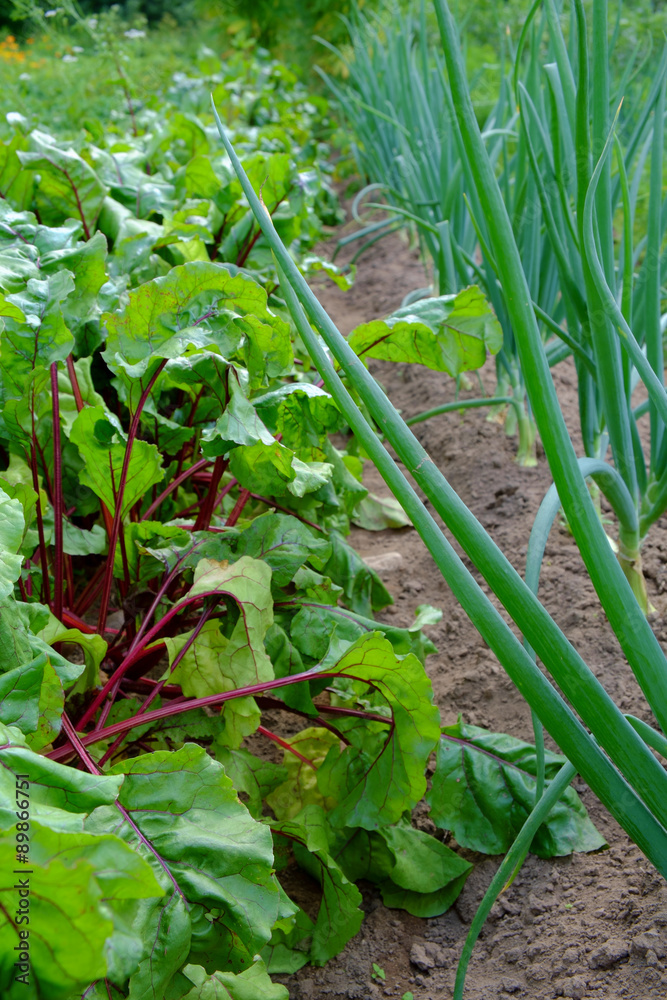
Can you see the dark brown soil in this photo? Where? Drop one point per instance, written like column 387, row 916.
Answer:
column 586, row 926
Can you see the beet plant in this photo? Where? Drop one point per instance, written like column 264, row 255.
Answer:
column 194, row 692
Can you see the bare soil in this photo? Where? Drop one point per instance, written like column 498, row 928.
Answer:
column 585, row 926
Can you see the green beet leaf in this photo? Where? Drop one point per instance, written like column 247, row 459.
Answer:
column 286, row 661
column 346, row 478
column 238, row 425
column 16, row 268
column 93, row 647
column 68, row 186
column 423, row 904
column 144, row 540
column 216, row 662
column 303, row 413
column 102, row 447
column 19, row 641
column 68, row 927
column 60, row 796
column 285, row 544
column 450, row 333
column 12, row 528
column 16, row 184
column 287, row 951
column 484, row 788
column 381, row 776
column 166, row 927
column 122, row 875
column 415, row 872
column 309, row 477
column 339, row 917
column 50, row 709
column 421, row 863
column 313, row 627
column 211, row 857
column 251, row 775
column 24, row 493
column 426, row 876
column 263, row 468
column 35, row 333
column 20, row 690
column 89, row 395
column 205, row 368
column 253, row 984
column 375, row 513
column 364, row 590
column 344, row 278
column 197, row 305
column 301, row 788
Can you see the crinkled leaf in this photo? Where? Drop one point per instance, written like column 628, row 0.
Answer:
column 263, row 468
column 284, row 543
column 123, row 877
column 20, row 624
column 286, row 661
column 202, row 369
column 345, row 478
column 93, row 647
column 195, row 305
column 301, row 788
column 313, row 628
column 363, row 588
column 87, row 263
column 215, row 662
column 103, row 450
column 166, row 927
column 68, row 927
column 12, row 526
column 68, row 186
column 375, row 513
column 220, row 858
column 309, row 477
column 35, row 333
column 251, row 775
column 303, row 413
column 82, row 541
column 143, row 542
column 16, row 184
column 16, row 414
column 450, row 333
column 339, row 917
column 24, row 493
column 377, row 779
column 238, row 425
column 287, row 951
column 344, row 278
column 484, row 788
column 253, row 984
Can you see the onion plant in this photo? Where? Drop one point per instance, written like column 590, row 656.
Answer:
column 611, row 752
column 397, row 102
column 597, row 283
column 542, row 160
